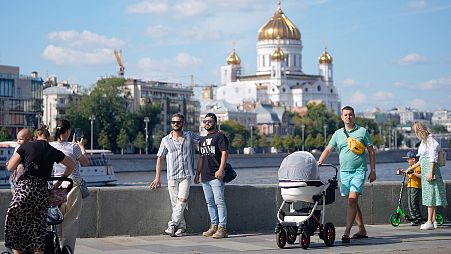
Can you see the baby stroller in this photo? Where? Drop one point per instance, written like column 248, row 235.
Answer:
column 300, row 184
column 54, row 217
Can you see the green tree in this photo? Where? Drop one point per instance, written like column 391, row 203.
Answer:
column 297, row 142
column 157, row 137
column 140, row 141
column 122, row 140
column 104, row 140
column 309, row 142
column 263, row 142
column 276, row 142
column 4, row 135
column 319, row 141
column 288, row 142
column 238, row 142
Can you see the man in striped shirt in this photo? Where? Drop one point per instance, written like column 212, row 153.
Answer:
column 178, row 149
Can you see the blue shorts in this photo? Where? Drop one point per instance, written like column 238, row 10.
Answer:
column 352, row 181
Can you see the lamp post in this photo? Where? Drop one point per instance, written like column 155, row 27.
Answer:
column 303, row 143
column 325, row 138
column 92, row 118
column 146, row 120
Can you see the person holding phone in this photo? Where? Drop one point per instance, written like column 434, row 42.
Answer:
column 72, row 207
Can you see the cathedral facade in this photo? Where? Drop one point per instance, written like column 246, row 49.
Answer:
column 279, row 80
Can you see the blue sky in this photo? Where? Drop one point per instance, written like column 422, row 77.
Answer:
column 386, row 53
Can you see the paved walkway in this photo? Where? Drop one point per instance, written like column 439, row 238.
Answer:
column 383, row 239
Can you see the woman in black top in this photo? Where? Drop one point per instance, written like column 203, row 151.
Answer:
column 26, row 217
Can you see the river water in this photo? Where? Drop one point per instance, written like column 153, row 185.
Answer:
column 384, row 172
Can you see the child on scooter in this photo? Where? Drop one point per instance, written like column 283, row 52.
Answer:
column 413, row 188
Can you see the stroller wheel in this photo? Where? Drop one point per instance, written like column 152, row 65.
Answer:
column 329, row 234
column 291, row 235
column 395, row 219
column 305, row 240
column 439, row 219
column 281, row 238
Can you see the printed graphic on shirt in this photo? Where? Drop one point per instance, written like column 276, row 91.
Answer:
column 206, row 148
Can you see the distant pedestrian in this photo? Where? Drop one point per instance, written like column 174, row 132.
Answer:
column 413, row 187
column 71, row 209
column 178, row 150
column 26, row 216
column 353, row 167
column 211, row 164
column 432, row 186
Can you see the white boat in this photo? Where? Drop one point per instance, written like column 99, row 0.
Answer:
column 99, row 171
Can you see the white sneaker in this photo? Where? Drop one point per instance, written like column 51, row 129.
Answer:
column 435, row 224
column 170, row 230
column 180, row 232
column 427, row 226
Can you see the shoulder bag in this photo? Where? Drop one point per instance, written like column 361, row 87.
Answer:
column 354, row 144
column 229, row 173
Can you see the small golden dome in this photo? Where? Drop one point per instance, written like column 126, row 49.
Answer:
column 278, row 54
column 233, row 59
column 279, row 26
column 325, row 58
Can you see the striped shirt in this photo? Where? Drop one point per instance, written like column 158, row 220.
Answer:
column 179, row 156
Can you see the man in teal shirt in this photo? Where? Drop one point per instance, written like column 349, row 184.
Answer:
column 353, row 169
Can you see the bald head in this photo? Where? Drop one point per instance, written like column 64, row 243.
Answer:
column 23, row 136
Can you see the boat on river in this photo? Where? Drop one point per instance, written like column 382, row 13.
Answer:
column 98, row 172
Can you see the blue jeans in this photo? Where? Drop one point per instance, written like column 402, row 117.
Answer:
column 214, row 195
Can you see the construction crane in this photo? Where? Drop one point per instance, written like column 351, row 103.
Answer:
column 208, row 90
column 118, row 55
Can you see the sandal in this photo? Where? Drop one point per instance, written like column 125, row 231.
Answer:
column 345, row 239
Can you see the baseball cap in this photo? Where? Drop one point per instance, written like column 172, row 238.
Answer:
column 212, row 115
column 410, row 154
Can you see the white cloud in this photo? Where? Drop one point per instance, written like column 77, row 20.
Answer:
column 158, row 31
column 69, row 56
column 358, row 98
column 400, row 84
column 413, row 58
column 418, row 103
column 436, row 83
column 181, row 63
column 74, row 38
column 417, row 4
column 348, row 82
column 154, row 7
column 383, row 96
column 186, row 8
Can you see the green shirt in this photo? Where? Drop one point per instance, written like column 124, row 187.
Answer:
column 350, row 161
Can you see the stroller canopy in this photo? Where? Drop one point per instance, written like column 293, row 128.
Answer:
column 299, row 166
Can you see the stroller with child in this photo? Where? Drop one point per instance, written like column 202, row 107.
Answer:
column 306, row 197
column 56, row 197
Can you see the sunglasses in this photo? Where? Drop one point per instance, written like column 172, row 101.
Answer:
column 208, row 121
column 176, row 122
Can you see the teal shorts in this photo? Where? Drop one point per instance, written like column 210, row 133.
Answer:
column 352, row 181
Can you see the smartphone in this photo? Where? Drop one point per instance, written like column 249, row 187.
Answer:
column 78, row 134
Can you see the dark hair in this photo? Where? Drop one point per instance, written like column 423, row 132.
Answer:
column 179, row 116
column 348, row 108
column 61, row 127
column 212, row 115
column 42, row 131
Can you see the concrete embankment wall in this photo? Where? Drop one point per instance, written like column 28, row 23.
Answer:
column 111, row 211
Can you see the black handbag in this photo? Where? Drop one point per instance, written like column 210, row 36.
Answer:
column 229, row 173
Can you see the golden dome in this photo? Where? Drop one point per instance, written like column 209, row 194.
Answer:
column 278, row 54
column 233, row 58
column 279, row 26
column 325, row 58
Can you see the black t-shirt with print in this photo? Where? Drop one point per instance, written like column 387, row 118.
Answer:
column 42, row 154
column 211, row 146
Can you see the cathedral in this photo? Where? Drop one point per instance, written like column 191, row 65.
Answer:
column 279, row 80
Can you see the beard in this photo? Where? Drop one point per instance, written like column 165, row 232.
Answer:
column 211, row 127
column 177, row 128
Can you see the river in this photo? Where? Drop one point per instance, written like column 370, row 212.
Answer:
column 268, row 175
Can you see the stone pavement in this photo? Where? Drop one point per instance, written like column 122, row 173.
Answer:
column 383, row 239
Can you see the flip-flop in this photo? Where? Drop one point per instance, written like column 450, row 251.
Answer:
column 359, row 236
column 345, row 239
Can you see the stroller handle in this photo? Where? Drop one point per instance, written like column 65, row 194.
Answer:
column 331, row 165
column 63, row 179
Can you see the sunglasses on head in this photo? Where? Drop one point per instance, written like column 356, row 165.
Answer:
column 176, row 122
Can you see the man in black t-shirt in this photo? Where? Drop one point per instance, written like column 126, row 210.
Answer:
column 211, row 164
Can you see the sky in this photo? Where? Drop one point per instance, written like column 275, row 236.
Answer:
column 385, row 53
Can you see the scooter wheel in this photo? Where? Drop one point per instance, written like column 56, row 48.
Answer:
column 305, row 240
column 281, row 238
column 439, row 219
column 395, row 219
